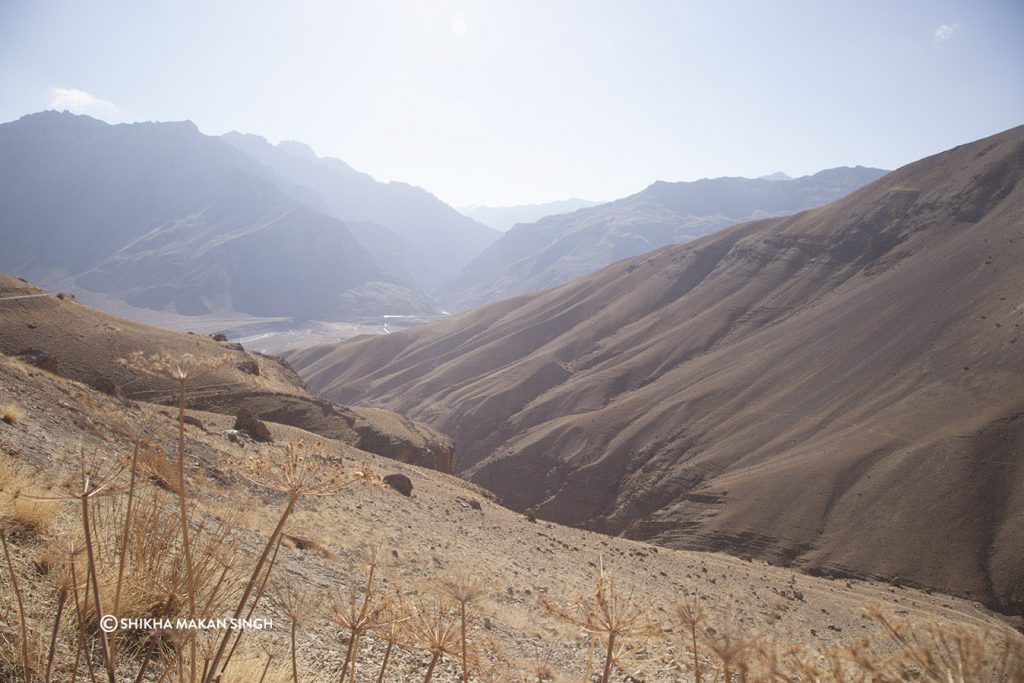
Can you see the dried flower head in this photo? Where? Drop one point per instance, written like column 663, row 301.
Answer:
column 303, row 471
column 183, row 368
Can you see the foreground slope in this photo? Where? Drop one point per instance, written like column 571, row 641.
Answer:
column 444, row 529
column 839, row 390
column 558, row 248
column 162, row 217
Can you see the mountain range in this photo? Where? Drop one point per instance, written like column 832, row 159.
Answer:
column 557, row 249
column 410, row 233
column 838, row 390
column 504, row 217
column 161, row 217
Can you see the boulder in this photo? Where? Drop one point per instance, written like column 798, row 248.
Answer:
column 253, row 426
column 400, row 483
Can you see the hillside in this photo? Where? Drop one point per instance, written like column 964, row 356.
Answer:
column 411, row 233
column 444, row 530
column 838, row 390
column 83, row 344
column 165, row 218
column 559, row 248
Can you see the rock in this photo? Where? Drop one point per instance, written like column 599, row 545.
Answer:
column 194, row 421
column 253, row 426
column 107, row 386
column 219, row 337
column 400, row 483
column 249, row 367
column 40, row 359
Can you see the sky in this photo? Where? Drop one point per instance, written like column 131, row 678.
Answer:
column 523, row 101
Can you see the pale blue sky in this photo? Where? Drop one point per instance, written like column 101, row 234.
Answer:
column 527, row 101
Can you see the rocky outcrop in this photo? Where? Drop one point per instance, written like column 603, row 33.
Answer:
column 253, row 426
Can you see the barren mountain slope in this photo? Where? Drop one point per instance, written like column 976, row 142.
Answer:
column 840, row 390
column 435, row 534
column 559, row 248
column 84, row 344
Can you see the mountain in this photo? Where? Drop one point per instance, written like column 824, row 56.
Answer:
column 504, row 217
column 410, row 232
column 778, row 175
column 838, row 390
column 556, row 249
column 164, row 217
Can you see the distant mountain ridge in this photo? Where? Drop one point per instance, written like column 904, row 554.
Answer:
column 504, row 217
column 559, row 248
column 411, row 233
column 837, row 390
column 164, row 217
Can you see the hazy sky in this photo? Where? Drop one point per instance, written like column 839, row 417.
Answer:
column 521, row 101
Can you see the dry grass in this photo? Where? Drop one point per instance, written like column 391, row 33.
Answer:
column 119, row 549
column 11, row 414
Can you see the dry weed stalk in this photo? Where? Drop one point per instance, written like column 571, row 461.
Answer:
column 181, row 369
column 358, row 610
column 608, row 615
column 303, row 472
column 97, row 477
column 294, row 603
column 23, row 629
column 464, row 590
column 435, row 626
column 690, row 616
column 390, row 627
column 954, row 654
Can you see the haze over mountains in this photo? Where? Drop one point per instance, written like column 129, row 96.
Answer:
column 559, row 248
column 410, row 232
column 164, row 217
column 504, row 217
column 838, row 390
column 159, row 216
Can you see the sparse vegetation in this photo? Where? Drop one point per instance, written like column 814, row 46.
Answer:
column 10, row 414
column 116, row 546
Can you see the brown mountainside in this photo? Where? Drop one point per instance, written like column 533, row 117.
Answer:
column 83, row 344
column 840, row 390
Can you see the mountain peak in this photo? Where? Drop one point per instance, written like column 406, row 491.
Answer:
column 298, row 149
column 778, row 175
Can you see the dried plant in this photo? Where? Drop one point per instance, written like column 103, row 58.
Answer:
column 302, row 471
column 358, row 610
column 463, row 589
column 609, row 615
column 97, row 477
column 181, row 369
column 690, row 616
column 10, row 414
column 23, row 629
column 434, row 625
column 295, row 603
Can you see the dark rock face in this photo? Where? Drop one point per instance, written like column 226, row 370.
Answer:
column 400, row 483
column 253, row 426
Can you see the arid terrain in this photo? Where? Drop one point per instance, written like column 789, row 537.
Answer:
column 837, row 391
column 447, row 528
